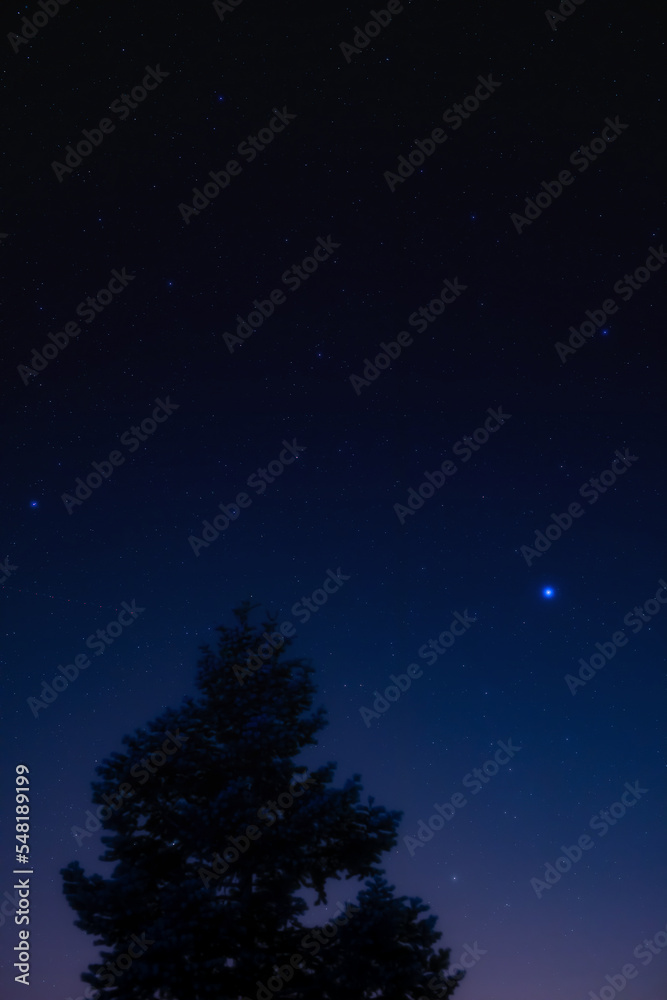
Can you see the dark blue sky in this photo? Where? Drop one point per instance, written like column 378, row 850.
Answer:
column 320, row 182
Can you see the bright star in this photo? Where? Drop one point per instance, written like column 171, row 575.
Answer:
column 548, row 592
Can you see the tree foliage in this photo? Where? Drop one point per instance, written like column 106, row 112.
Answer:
column 212, row 858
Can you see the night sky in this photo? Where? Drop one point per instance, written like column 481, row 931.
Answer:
column 499, row 470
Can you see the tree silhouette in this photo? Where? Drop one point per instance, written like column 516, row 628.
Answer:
column 215, row 842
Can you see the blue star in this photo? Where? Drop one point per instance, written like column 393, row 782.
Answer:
column 548, row 592
column 34, row 503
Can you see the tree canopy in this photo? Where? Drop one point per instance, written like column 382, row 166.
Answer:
column 216, row 830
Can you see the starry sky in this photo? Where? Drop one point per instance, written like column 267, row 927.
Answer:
column 364, row 196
